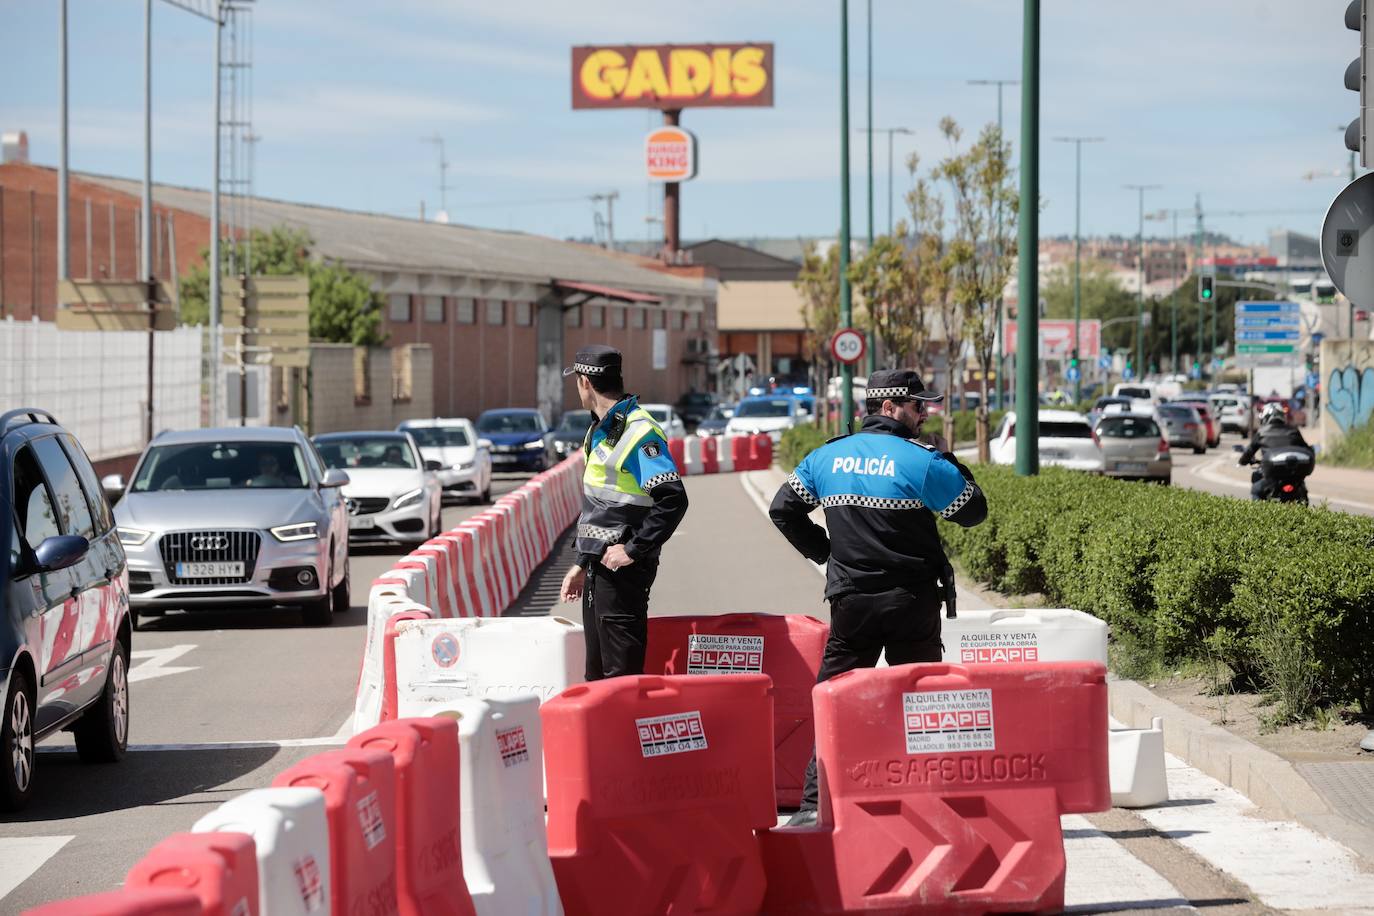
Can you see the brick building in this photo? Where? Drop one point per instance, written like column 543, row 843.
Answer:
column 502, row 312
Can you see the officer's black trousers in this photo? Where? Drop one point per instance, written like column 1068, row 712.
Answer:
column 904, row 623
column 615, row 617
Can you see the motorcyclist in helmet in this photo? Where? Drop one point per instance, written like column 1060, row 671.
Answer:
column 1273, row 433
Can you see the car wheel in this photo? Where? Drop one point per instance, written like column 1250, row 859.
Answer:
column 102, row 732
column 341, row 597
column 1199, row 449
column 319, row 612
column 16, row 744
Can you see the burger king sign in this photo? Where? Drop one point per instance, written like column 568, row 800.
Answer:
column 670, row 154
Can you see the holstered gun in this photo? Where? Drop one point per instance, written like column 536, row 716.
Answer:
column 951, row 594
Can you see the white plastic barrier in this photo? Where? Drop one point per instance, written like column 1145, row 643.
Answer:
column 431, row 597
column 470, row 589
column 691, row 455
column 291, row 832
column 725, row 458
column 486, row 658
column 1135, row 763
column 505, row 847
column 367, row 705
column 415, row 586
column 1010, row 635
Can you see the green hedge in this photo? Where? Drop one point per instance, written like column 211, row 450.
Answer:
column 797, row 443
column 1354, row 450
column 1282, row 594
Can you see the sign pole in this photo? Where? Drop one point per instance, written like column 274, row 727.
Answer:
column 672, row 196
column 1028, row 294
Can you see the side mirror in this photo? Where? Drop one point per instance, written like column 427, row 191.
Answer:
column 114, row 486
column 432, row 465
column 334, row 478
column 484, row 443
column 59, row 552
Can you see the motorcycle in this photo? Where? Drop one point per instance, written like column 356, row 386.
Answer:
column 1284, row 472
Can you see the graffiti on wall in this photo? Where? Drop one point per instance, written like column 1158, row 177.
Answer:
column 1350, row 388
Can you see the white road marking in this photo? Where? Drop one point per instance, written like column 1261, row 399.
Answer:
column 1285, row 864
column 1208, row 471
column 157, row 663
column 1103, row 875
column 20, row 857
column 330, row 741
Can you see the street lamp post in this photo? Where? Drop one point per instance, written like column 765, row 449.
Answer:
column 1140, row 279
column 1077, row 248
column 891, row 193
column 846, row 312
column 1001, row 344
column 1028, row 225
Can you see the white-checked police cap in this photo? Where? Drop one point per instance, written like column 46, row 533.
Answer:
column 595, row 360
column 898, row 385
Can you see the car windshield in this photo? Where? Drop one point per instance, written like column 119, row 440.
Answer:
column 439, row 436
column 1052, row 429
column 772, row 407
column 575, row 421
column 347, row 453
column 660, row 414
column 718, row 413
column 696, row 400
column 1134, row 393
column 1226, row 402
column 1128, row 428
column 1176, row 412
column 509, row 423
column 221, row 466
column 1107, row 402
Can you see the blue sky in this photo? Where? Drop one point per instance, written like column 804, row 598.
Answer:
column 1236, row 99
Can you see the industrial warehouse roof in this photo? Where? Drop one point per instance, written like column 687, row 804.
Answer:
column 389, row 243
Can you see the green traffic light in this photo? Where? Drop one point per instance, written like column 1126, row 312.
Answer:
column 1206, row 294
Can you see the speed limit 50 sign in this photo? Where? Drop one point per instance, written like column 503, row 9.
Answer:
column 847, row 345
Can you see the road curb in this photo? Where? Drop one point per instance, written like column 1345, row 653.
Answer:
column 1272, row 783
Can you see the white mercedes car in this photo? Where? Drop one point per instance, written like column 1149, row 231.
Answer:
column 466, row 459
column 392, row 492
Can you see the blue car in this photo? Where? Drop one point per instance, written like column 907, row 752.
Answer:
column 520, row 438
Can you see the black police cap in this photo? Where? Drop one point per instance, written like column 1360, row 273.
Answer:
column 897, row 385
column 595, row 360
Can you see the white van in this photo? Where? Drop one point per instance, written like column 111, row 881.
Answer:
column 1145, row 396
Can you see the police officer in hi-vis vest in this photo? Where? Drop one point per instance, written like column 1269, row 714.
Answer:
column 632, row 502
column 880, row 489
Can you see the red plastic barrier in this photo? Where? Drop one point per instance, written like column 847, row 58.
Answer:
column 761, row 451
column 677, row 448
column 142, row 901
column 486, row 561
column 468, row 591
column 786, row 647
column 710, row 462
column 429, row 854
column 741, row 452
column 389, row 659
column 428, row 599
column 656, row 786
column 359, row 797
column 220, row 869
column 942, row 787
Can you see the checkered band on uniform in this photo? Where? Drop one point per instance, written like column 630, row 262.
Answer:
column 799, row 488
column 657, row 479
column 876, row 393
column 597, row 533
column 870, row 502
column 963, row 497
column 588, row 370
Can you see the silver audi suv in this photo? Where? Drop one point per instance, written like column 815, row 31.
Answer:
column 217, row 518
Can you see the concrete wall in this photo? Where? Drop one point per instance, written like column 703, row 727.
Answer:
column 339, row 402
column 1347, row 378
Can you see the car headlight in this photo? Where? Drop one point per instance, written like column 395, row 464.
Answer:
column 536, row 444
column 303, row 531
column 466, row 465
column 133, row 537
column 410, row 498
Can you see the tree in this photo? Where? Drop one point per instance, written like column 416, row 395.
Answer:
column 343, row 306
column 982, row 248
column 1102, row 297
column 887, row 280
column 928, row 251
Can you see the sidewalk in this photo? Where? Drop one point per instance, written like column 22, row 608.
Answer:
column 1333, row 798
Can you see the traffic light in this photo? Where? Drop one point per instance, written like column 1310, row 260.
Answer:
column 1073, row 359
column 1204, row 286
column 1357, row 133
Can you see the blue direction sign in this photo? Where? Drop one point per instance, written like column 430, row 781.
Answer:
column 1312, row 380
column 1268, row 308
column 1127, row 373
column 1104, row 361
column 1073, row 374
column 1268, row 334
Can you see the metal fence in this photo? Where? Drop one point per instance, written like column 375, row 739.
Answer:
column 95, row 382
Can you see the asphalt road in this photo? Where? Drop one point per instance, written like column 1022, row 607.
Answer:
column 221, row 701
column 1216, row 472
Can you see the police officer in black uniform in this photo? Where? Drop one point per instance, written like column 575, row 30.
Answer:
column 632, row 503
column 886, row 572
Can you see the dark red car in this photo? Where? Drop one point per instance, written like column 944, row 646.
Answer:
column 1205, row 411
